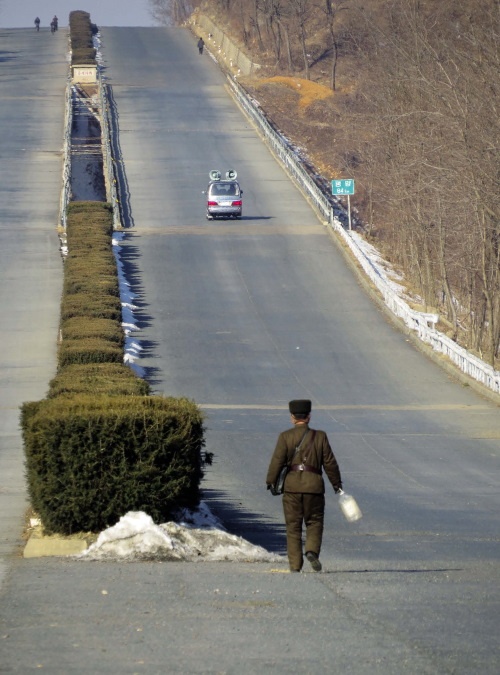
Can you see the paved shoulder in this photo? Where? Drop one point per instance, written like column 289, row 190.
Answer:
column 33, row 71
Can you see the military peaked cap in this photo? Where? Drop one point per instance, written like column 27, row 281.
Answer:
column 300, row 407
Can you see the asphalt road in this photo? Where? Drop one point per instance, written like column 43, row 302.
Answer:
column 243, row 316
column 33, row 73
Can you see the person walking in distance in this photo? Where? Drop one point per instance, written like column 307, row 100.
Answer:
column 201, row 44
column 307, row 452
column 37, row 24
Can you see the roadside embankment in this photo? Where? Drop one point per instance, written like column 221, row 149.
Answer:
column 223, row 46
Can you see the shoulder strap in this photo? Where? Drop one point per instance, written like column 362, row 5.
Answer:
column 310, row 444
column 297, row 447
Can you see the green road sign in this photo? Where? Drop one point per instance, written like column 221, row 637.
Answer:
column 344, row 186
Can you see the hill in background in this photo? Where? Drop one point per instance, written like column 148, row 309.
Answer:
column 403, row 96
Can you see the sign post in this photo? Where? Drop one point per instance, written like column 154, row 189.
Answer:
column 344, row 186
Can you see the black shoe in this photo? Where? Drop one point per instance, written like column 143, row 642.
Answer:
column 314, row 560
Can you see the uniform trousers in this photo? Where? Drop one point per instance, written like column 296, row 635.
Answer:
column 307, row 508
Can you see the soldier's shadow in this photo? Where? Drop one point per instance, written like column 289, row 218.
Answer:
column 256, row 528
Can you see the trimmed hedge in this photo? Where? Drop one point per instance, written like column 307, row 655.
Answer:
column 78, row 328
column 102, row 224
column 100, row 263
column 112, row 379
column 83, row 304
column 99, row 445
column 83, row 206
column 92, row 284
column 92, row 459
column 83, row 56
column 89, row 350
column 91, row 330
column 81, row 32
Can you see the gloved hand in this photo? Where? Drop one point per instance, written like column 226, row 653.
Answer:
column 338, row 490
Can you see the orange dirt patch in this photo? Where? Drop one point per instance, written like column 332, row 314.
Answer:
column 308, row 91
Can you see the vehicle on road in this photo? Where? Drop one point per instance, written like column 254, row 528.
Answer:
column 224, row 196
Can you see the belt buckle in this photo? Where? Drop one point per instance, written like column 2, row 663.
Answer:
column 301, row 467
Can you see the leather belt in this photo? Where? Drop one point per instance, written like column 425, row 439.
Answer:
column 305, row 467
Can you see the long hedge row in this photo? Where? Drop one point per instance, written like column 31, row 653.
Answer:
column 99, row 444
column 90, row 334
column 81, row 32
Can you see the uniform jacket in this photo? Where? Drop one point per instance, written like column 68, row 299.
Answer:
column 318, row 454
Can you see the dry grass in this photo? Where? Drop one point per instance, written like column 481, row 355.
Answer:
column 308, row 92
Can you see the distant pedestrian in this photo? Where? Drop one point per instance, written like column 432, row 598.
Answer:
column 307, row 452
column 201, row 44
column 37, row 23
column 55, row 21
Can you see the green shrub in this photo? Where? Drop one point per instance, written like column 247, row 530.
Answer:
column 93, row 285
column 112, row 379
column 90, row 219
column 84, row 206
column 83, row 304
column 83, row 56
column 89, row 262
column 91, row 243
column 88, row 267
column 81, row 31
column 91, row 459
column 78, row 328
column 89, row 350
column 96, row 247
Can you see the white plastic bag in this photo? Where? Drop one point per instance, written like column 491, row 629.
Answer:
column 349, row 507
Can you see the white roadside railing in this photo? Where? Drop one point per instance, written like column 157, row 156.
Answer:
column 66, row 173
column 107, row 154
column 423, row 324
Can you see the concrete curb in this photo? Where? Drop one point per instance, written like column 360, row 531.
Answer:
column 39, row 546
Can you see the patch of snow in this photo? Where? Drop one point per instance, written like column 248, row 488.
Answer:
column 197, row 536
column 384, row 269
column 132, row 349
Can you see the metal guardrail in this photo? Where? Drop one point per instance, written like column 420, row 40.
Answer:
column 66, row 176
column 421, row 323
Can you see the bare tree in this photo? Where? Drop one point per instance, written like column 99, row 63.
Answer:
column 302, row 10
column 437, row 98
column 283, row 17
column 331, row 10
column 171, row 12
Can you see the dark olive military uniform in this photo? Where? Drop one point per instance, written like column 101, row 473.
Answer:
column 304, row 496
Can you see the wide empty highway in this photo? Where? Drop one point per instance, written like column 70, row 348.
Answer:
column 242, row 316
